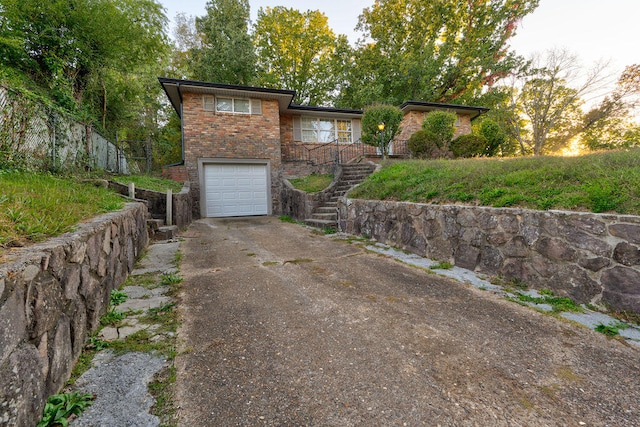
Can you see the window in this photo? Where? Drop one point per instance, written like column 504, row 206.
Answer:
column 326, row 130
column 233, row 105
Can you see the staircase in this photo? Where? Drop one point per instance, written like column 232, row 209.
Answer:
column 158, row 231
column 326, row 215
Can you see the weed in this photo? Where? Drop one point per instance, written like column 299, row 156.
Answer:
column 162, row 389
column 268, row 263
column 612, row 329
column 287, row 218
column 627, row 316
column 297, row 261
column 117, row 297
column 112, row 317
column 60, row 407
column 170, row 279
column 329, row 230
column 96, row 343
column 251, row 254
column 444, row 265
column 558, row 304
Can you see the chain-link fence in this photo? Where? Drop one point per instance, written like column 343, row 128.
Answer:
column 34, row 135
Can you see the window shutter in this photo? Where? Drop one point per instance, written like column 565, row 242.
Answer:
column 208, row 103
column 256, row 106
column 357, row 130
column 297, row 128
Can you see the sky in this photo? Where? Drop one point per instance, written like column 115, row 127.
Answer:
column 592, row 29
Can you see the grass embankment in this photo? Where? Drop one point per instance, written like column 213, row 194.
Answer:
column 600, row 182
column 312, row 183
column 36, row 206
column 149, row 182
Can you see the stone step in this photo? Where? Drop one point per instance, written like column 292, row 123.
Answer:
column 330, row 203
column 166, row 232
column 153, row 224
column 325, row 209
column 328, row 216
column 321, row 223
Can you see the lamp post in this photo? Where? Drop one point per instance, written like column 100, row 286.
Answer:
column 382, row 150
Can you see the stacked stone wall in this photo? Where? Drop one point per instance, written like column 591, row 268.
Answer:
column 591, row 258
column 51, row 297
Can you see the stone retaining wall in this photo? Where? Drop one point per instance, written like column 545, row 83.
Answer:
column 300, row 205
column 182, row 204
column 588, row 257
column 51, row 296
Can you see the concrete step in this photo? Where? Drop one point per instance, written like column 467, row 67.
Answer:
column 166, row 232
column 153, row 224
column 321, row 223
column 325, row 209
column 329, row 216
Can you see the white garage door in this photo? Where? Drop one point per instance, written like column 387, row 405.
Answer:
column 236, row 189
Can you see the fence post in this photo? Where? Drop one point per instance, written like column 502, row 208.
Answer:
column 132, row 190
column 169, row 220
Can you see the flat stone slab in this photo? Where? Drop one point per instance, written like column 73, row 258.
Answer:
column 135, row 304
column 160, row 258
column 120, row 386
column 137, row 292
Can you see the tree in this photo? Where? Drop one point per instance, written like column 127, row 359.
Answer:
column 380, row 124
column 225, row 53
column 546, row 101
column 299, row 51
column 495, row 136
column 186, row 42
column 433, row 51
column 83, row 50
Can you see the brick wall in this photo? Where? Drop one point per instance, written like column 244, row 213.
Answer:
column 412, row 122
column 176, row 173
column 209, row 134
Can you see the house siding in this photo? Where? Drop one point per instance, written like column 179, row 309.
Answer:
column 213, row 135
column 412, row 122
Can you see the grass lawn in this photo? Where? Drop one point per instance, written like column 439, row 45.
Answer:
column 600, row 182
column 36, row 206
column 312, row 183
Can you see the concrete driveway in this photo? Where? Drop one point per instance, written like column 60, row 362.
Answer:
column 282, row 326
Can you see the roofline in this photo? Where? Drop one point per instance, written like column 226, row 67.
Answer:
column 426, row 106
column 286, row 96
column 310, row 108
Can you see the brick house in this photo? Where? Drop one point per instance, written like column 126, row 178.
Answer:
column 239, row 142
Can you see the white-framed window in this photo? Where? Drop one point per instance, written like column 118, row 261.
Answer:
column 319, row 129
column 232, row 105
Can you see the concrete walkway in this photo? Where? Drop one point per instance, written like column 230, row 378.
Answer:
column 282, row 326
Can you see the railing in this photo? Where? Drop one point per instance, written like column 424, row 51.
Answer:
column 336, row 152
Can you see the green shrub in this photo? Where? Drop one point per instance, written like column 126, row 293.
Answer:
column 390, row 115
column 424, row 145
column 441, row 126
column 469, row 146
column 496, row 137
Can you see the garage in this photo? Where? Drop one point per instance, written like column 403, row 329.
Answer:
column 236, row 189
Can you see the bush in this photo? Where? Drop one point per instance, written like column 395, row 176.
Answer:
column 424, row 145
column 389, row 115
column 469, row 146
column 441, row 125
column 496, row 136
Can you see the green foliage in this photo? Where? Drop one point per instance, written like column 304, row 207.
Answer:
column 299, row 51
column 423, row 145
column 601, row 182
column 30, row 206
column 444, row 265
column 495, row 136
column 433, row 51
column 312, row 183
column 441, row 126
column 375, row 115
column 226, row 53
column 60, row 407
column 469, row 145
column 287, row 218
column 117, row 297
column 558, row 304
column 172, row 278
column 612, row 329
column 112, row 317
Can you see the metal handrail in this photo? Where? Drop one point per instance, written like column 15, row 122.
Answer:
column 335, row 152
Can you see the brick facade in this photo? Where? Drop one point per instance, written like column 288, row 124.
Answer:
column 412, row 122
column 215, row 135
